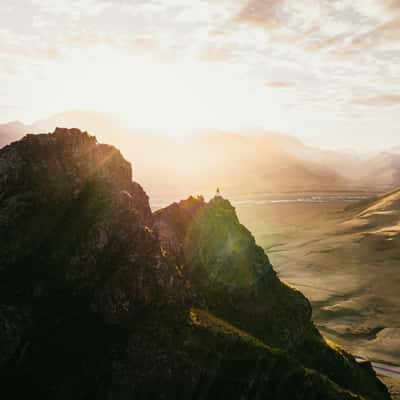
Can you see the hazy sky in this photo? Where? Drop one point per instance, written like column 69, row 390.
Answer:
column 327, row 71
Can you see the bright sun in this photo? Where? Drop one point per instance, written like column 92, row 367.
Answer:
column 152, row 94
column 172, row 97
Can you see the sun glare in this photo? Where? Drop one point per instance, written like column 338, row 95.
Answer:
column 173, row 97
column 153, row 94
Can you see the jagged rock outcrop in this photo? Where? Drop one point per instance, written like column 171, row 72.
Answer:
column 237, row 283
column 234, row 276
column 68, row 205
column 100, row 299
column 78, row 253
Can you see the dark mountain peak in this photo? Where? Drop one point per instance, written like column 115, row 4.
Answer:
column 71, row 213
column 100, row 298
column 236, row 282
column 218, row 202
column 59, row 165
column 191, row 205
column 218, row 246
column 180, row 216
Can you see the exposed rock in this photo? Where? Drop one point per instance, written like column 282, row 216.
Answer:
column 75, row 225
column 236, row 281
column 100, row 299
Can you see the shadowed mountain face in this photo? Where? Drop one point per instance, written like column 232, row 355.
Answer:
column 102, row 299
column 235, row 277
column 229, row 271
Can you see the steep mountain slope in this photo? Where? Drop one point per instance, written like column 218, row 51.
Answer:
column 238, row 283
column 223, row 262
column 94, row 304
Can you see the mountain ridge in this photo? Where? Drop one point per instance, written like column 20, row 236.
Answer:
column 94, row 303
column 238, row 162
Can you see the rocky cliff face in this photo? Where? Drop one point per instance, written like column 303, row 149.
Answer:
column 229, row 271
column 101, row 299
column 237, row 283
column 68, row 205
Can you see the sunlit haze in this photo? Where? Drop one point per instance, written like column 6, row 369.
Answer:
column 200, row 199
column 325, row 71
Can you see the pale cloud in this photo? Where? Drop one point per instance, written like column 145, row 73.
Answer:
column 383, row 100
column 284, row 15
column 146, row 44
column 345, row 45
column 142, row 8
column 6, row 8
column 344, row 25
column 86, row 38
column 392, row 5
column 217, row 54
column 72, row 8
column 280, row 84
column 12, row 45
column 8, row 69
column 42, row 22
column 381, row 36
column 265, row 13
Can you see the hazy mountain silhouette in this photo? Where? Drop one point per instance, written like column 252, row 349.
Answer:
column 383, row 170
column 249, row 164
column 12, row 131
column 102, row 124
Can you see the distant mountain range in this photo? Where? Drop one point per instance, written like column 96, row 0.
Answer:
column 242, row 164
column 88, row 120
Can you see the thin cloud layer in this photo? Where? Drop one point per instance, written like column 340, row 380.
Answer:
column 333, row 55
column 279, row 84
column 384, row 100
column 263, row 13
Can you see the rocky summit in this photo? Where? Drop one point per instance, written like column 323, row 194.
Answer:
column 102, row 299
